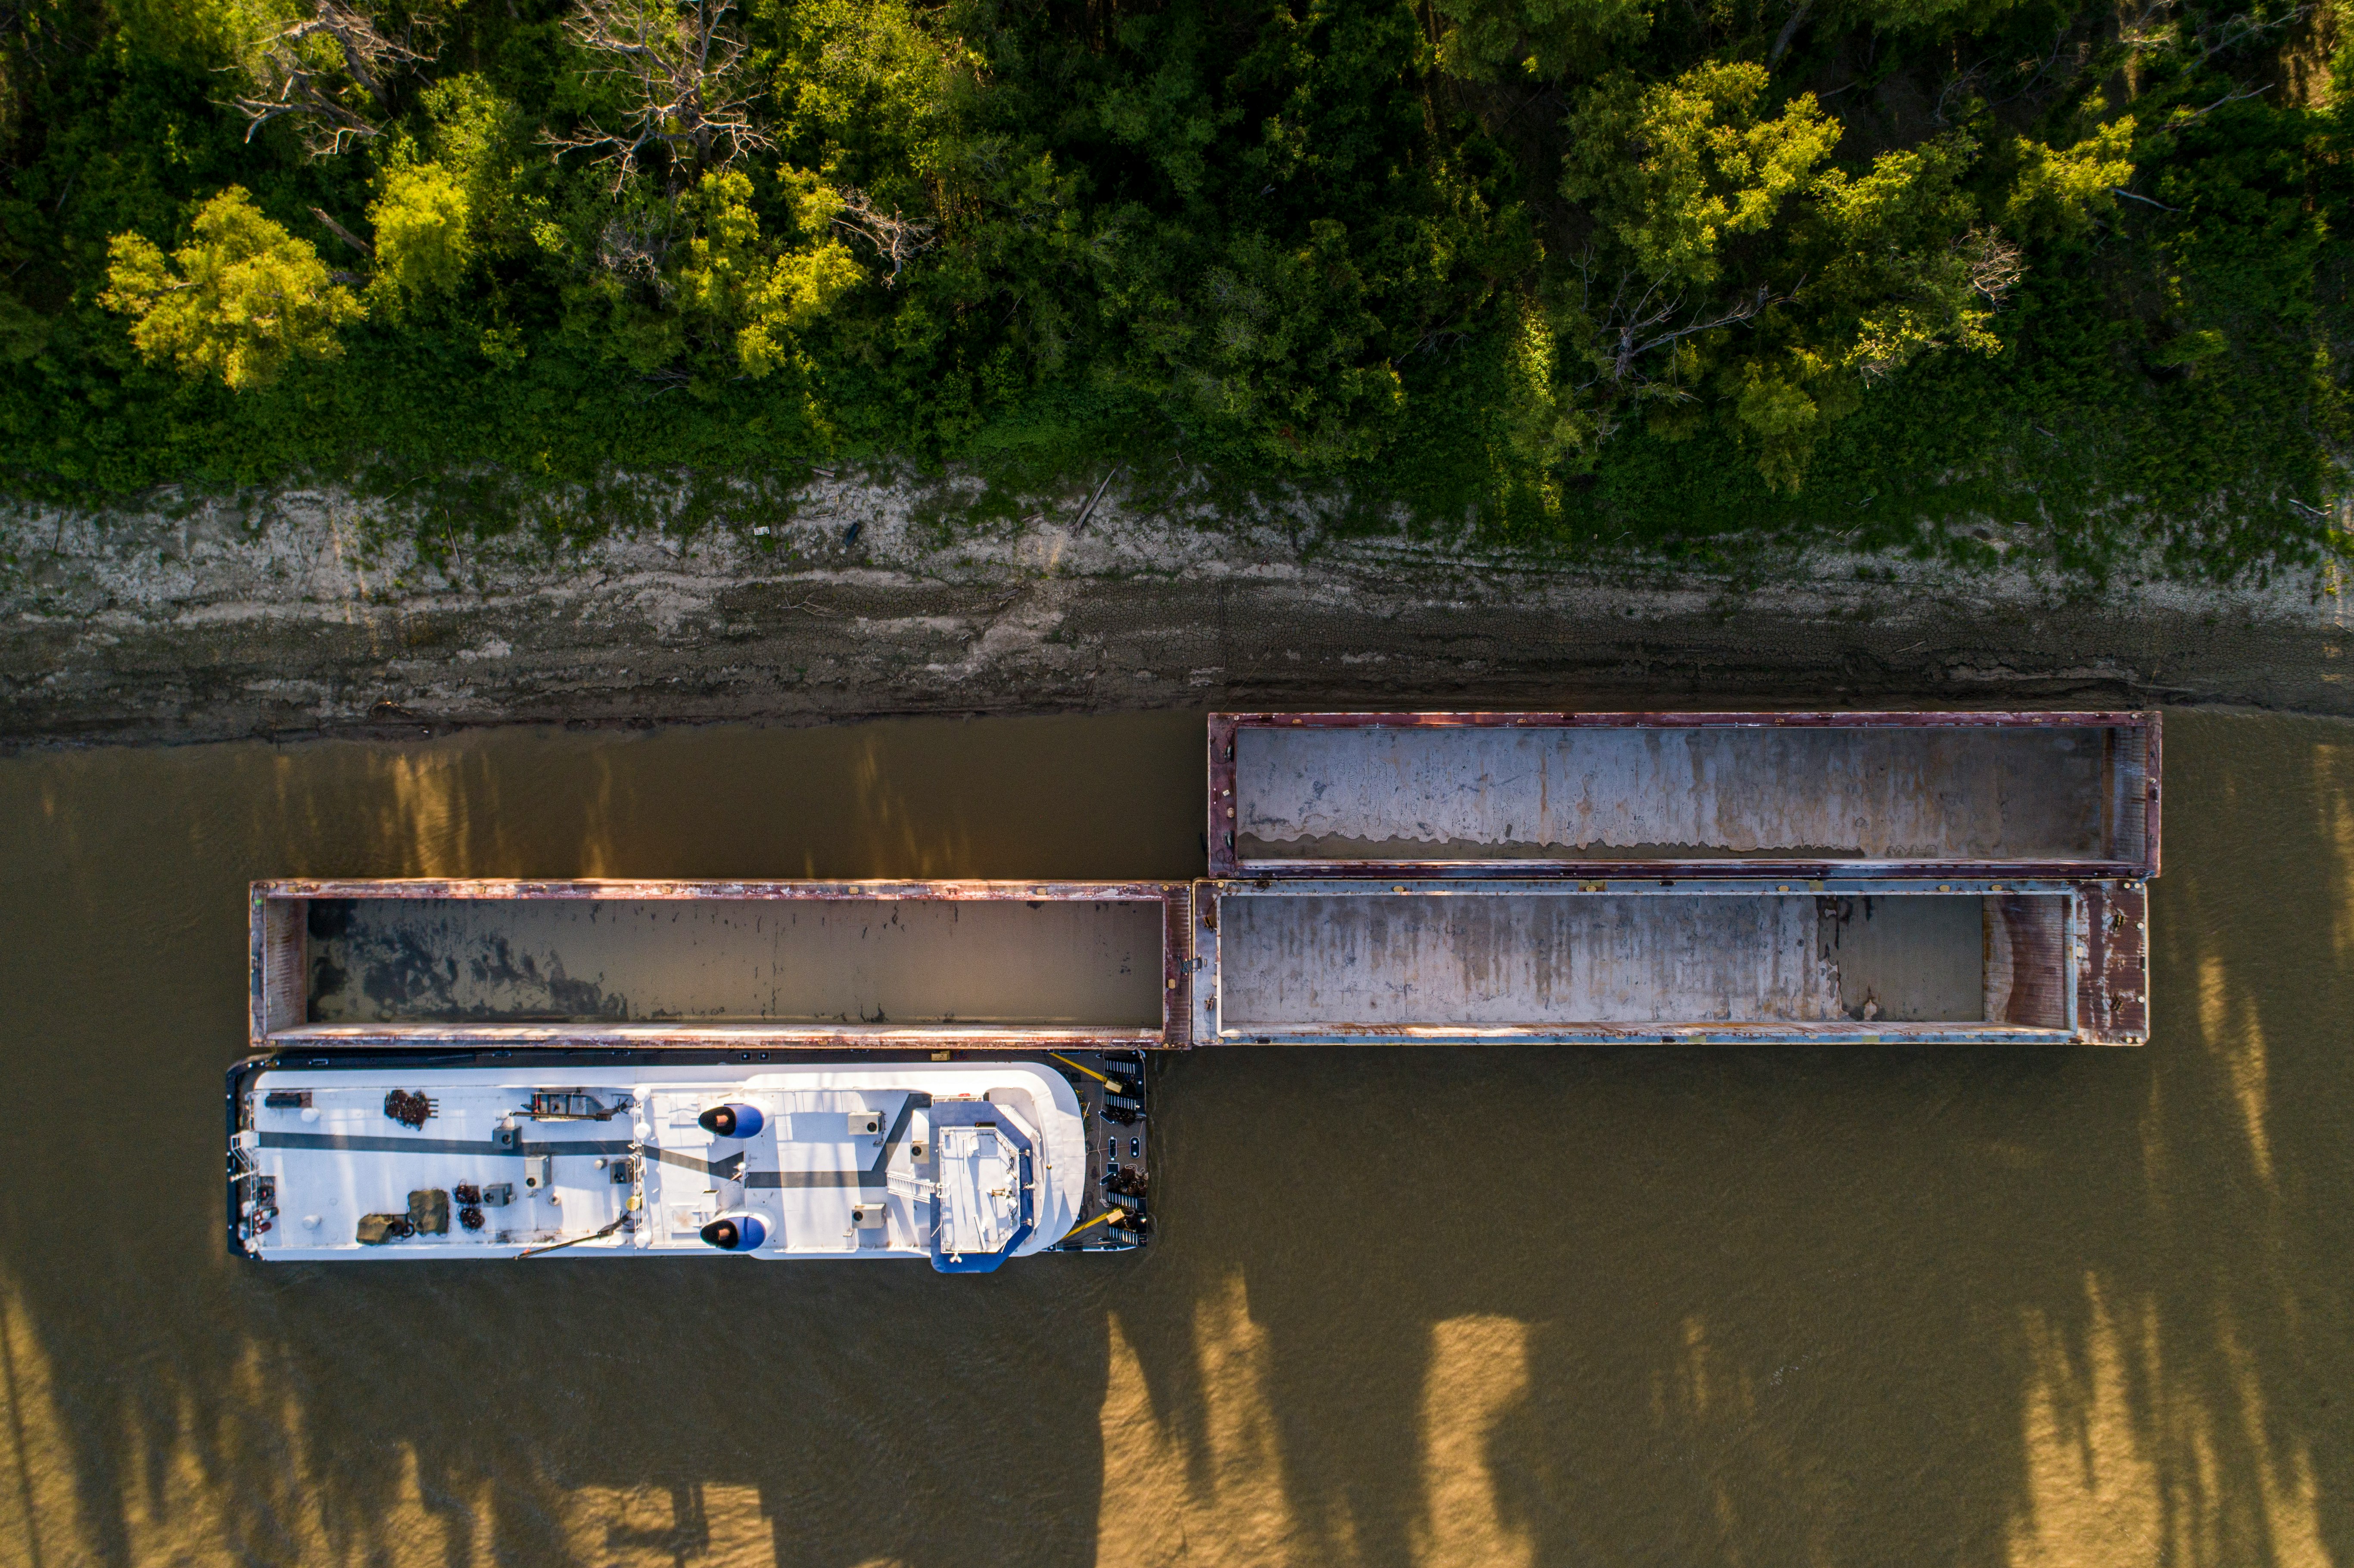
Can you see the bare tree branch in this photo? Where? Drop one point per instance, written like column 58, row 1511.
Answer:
column 340, row 232
column 1995, row 264
column 297, row 71
column 2239, row 95
column 2154, row 30
column 1634, row 329
column 1633, row 344
column 1970, row 79
column 898, row 240
column 685, row 75
column 1789, row 31
column 2240, row 27
column 1959, row 84
column 633, row 244
column 2149, row 31
column 2043, row 67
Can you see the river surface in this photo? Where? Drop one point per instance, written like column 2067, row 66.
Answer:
column 1871, row 1306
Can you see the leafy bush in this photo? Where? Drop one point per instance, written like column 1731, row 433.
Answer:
column 240, row 301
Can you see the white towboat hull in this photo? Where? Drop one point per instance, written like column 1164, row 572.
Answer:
column 960, row 1163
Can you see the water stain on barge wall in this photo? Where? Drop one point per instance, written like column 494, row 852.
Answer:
column 1844, row 1306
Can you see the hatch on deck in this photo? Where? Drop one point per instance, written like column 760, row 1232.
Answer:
column 987, row 1161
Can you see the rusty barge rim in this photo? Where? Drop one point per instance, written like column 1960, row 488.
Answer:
column 1648, row 884
column 1574, row 1033
column 1700, row 875
column 1751, row 719
column 665, row 1037
column 880, row 890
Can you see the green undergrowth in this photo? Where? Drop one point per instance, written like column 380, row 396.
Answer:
column 1989, row 278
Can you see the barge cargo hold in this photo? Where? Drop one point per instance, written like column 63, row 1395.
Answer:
column 1460, row 961
column 1992, row 795
column 964, row 1163
column 773, row 965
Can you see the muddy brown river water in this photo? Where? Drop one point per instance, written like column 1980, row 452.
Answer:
column 1868, row 1306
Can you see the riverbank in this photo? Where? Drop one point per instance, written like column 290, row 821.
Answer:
column 307, row 612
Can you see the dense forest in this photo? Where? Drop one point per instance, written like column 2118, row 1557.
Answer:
column 1583, row 274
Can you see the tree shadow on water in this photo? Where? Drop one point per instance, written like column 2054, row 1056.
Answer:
column 166, row 1402
column 1838, row 1306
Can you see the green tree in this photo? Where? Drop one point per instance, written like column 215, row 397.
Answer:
column 748, row 288
column 423, row 240
column 2059, row 191
column 1903, row 267
column 240, row 301
column 1483, row 40
column 1674, row 169
column 1727, row 253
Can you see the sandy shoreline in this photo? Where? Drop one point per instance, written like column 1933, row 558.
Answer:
column 303, row 612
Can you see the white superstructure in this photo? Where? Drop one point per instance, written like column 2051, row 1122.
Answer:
column 965, row 1163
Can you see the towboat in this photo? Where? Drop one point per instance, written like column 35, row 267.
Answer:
column 965, row 1163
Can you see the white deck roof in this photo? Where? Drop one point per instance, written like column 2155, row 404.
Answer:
column 846, row 1164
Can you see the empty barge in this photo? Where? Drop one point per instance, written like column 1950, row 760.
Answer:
column 2001, row 796
column 762, row 965
column 1447, row 960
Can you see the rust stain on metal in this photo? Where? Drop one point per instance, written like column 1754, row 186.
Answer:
column 2113, row 980
column 1177, row 980
column 765, row 1036
column 615, row 888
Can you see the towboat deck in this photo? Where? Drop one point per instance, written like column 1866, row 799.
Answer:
column 391, row 1156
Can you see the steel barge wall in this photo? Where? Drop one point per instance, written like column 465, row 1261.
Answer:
column 779, row 965
column 2005, row 795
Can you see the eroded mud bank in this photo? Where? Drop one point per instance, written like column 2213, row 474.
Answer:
column 302, row 612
